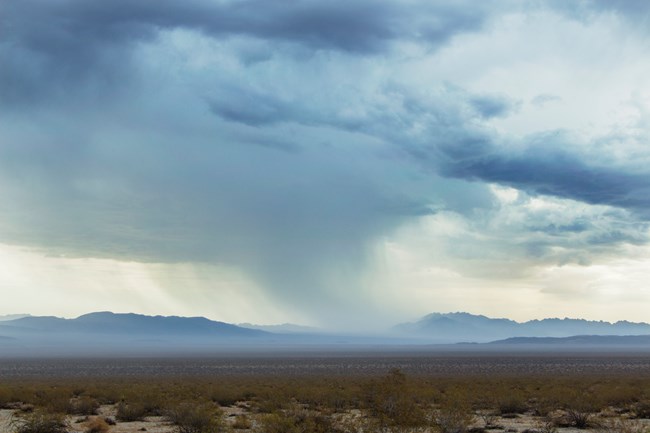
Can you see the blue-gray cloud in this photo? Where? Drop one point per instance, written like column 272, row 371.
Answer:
column 276, row 149
column 58, row 47
column 546, row 165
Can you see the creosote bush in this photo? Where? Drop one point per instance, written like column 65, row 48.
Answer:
column 130, row 412
column 454, row 415
column 40, row 422
column 512, row 403
column 392, row 404
column 580, row 408
column 620, row 426
column 191, row 418
column 298, row 421
column 242, row 423
column 83, row 406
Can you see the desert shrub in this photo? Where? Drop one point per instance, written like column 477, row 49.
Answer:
column 151, row 403
column 454, row 415
column 547, row 425
column 192, row 418
column 130, row 412
column 580, row 409
column 642, row 409
column 489, row 418
column 618, row 396
column 298, row 421
column 83, row 406
column 391, row 403
column 242, row 423
column 5, row 398
column 620, row 426
column 512, row 404
column 40, row 422
column 55, row 403
column 96, row 425
column 578, row 418
column 225, row 397
column 278, row 423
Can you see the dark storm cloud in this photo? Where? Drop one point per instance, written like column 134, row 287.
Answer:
column 253, row 108
column 99, row 177
column 546, row 165
column 492, row 106
column 53, row 47
column 340, row 159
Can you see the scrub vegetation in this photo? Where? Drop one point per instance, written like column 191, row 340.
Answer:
column 390, row 403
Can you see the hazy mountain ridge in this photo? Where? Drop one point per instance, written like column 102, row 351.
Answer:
column 460, row 326
column 128, row 333
column 127, row 324
column 6, row 317
column 284, row 328
column 579, row 340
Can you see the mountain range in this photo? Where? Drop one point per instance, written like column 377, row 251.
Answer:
column 107, row 323
column 456, row 327
column 128, row 333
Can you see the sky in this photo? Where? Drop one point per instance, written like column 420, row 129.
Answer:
column 343, row 164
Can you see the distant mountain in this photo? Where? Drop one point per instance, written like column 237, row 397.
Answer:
column 285, row 328
column 454, row 327
column 12, row 317
column 128, row 325
column 580, row 340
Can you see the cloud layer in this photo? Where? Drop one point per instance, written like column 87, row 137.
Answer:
column 294, row 141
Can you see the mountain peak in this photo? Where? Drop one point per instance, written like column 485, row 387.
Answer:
column 461, row 326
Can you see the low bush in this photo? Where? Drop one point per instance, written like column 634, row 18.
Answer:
column 453, row 416
column 192, row 418
column 40, row 422
column 642, row 409
column 83, row 406
column 298, row 421
column 512, row 404
column 620, row 426
column 242, row 423
column 130, row 412
column 580, row 410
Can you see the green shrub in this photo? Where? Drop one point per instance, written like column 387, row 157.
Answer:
column 454, row 415
column 512, row 404
column 298, row 421
column 278, row 423
column 242, row 423
column 580, row 409
column 83, row 406
column 130, row 412
column 192, row 418
column 391, row 402
column 642, row 409
column 40, row 422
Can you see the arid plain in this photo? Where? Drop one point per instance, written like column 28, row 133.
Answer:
column 353, row 392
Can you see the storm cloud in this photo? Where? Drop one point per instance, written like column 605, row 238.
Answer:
column 295, row 140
